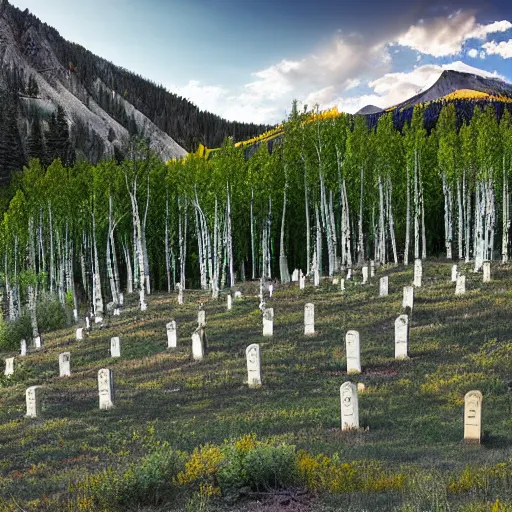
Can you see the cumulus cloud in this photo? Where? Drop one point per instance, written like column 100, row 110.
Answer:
column 473, row 53
column 503, row 49
column 442, row 37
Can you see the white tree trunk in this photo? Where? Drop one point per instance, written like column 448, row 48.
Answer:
column 506, row 216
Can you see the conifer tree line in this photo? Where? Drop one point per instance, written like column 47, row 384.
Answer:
column 333, row 194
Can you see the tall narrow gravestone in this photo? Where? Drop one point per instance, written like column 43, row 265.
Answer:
column 316, row 277
column 270, row 290
column 197, row 345
column 365, row 274
column 384, row 286
column 172, row 334
column 75, row 315
column 309, row 319
column 418, row 273
column 268, row 322
column 121, row 299
column 401, row 337
column 201, row 318
column 106, row 388
column 460, row 287
column 38, row 342
column 295, row 275
column 79, row 334
column 372, row 268
column 473, row 417
column 115, row 347
column 349, row 274
column 454, row 273
column 9, row 366
column 252, row 353
column 352, row 347
column 23, row 348
column 87, row 323
column 302, row 280
column 33, row 399
column 349, row 406
column 65, row 364
column 487, row 272
column 229, row 303
column 342, row 285
column 408, row 300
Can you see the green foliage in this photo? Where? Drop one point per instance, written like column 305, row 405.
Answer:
column 51, row 314
column 12, row 332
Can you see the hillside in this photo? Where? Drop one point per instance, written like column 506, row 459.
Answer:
column 103, row 104
column 408, row 455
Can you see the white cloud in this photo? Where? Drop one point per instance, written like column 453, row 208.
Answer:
column 473, row 53
column 503, row 49
column 441, row 37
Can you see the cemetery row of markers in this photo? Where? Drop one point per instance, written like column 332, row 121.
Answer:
column 348, row 390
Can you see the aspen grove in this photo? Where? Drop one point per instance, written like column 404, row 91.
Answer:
column 331, row 195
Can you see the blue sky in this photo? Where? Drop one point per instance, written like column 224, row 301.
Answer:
column 247, row 61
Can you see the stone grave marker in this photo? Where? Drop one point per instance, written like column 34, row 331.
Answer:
column 349, row 406
column 384, row 286
column 201, row 318
column 401, row 337
column 349, row 274
column 87, row 323
column 238, row 294
column 335, row 281
column 460, row 287
column 142, row 301
column 372, row 268
column 115, row 347
column 268, row 322
column 117, row 312
column 23, row 347
column 65, row 364
column 302, row 280
column 316, row 277
column 295, row 275
column 75, row 315
column 180, row 293
column 80, row 334
column 352, row 348
column 408, row 299
column 9, row 366
column 418, row 273
column 270, row 290
column 121, row 299
column 172, row 334
column 454, row 273
column 33, row 399
column 365, row 274
column 309, row 319
column 252, row 353
column 473, row 417
column 38, row 342
column 197, row 345
column 106, row 388
column 229, row 302
column 342, row 285
column 487, row 272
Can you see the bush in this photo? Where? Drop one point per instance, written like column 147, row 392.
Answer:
column 11, row 333
column 51, row 314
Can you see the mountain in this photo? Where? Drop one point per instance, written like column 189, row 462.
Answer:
column 59, row 99
column 369, row 109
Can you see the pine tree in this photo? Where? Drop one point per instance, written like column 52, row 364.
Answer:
column 35, row 142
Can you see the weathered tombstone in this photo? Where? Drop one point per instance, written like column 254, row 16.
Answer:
column 372, row 268
column 309, row 319
column 115, row 347
column 80, row 334
column 117, row 312
column 270, row 290
column 295, row 275
column 418, row 273
column 454, row 273
column 335, row 281
column 106, row 388
column 75, row 315
column 238, row 294
column 384, row 286
column 180, row 293
column 473, row 417
column 23, row 347
column 9, row 366
column 365, row 274
column 172, row 334
column 352, row 348
column 460, row 287
column 268, row 322
column 229, row 302
column 316, row 277
column 342, row 285
column 197, row 345
column 38, row 342
column 33, row 399
column 302, row 280
column 349, row 406
column 201, row 318
column 87, row 323
column 487, row 272
column 408, row 300
column 121, row 299
column 349, row 273
column 252, row 353
column 401, row 337
column 98, row 319
column 65, row 364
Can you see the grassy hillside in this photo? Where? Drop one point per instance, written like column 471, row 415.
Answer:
column 409, row 455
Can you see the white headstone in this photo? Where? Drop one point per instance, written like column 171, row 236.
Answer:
column 460, row 287
column 473, row 417
column 302, row 280
column 349, row 406
column 408, row 300
column 335, row 281
column 65, row 364
column 342, row 285
column 252, row 353
column 268, row 322
column 384, row 286
column 9, row 366
column 401, row 337
column 418, row 273
column 372, row 268
column 349, row 273
column 121, row 299
column 106, row 388
column 295, row 275
column 316, row 277
column 87, row 323
column 229, row 302
column 75, row 315
column 270, row 290
column 115, row 347
column 197, row 345
column 180, row 293
column 98, row 319
column 309, row 319
column 33, row 398
column 38, row 342
column 238, row 294
column 454, row 273
column 80, row 334
column 487, row 272
column 201, row 318
column 117, row 312
column 23, row 347
column 365, row 274
column 352, row 348
column 172, row 334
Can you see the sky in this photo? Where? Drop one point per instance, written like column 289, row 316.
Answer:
column 247, row 61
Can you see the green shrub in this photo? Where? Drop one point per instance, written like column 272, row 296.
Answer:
column 51, row 314
column 11, row 333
